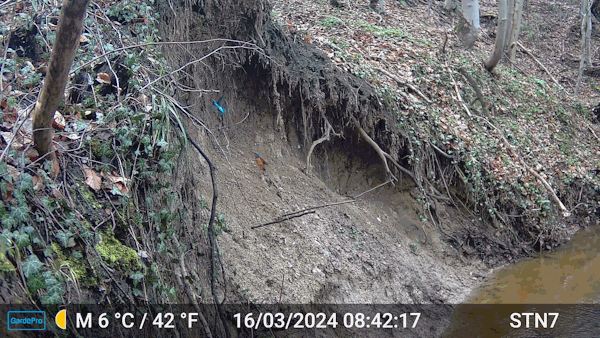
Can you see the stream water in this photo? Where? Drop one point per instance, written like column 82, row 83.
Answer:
column 568, row 275
column 551, row 282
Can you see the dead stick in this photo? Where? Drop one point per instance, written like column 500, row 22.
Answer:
column 364, row 192
column 459, row 97
column 279, row 220
column 538, row 62
column 566, row 212
column 301, row 213
column 402, row 83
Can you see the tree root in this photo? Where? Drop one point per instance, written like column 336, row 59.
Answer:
column 328, row 130
column 380, row 152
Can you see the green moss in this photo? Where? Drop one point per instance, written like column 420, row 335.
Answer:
column 118, row 255
column 5, row 264
column 100, row 149
column 77, row 265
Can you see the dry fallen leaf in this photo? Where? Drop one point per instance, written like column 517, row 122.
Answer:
column 92, row 179
column 38, row 183
column 59, row 121
column 114, row 179
column 103, row 78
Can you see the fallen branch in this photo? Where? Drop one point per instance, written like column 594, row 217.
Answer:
column 484, row 107
column 538, row 62
column 378, row 186
column 593, row 133
column 375, row 146
column 459, row 97
column 300, row 213
column 562, row 207
column 402, row 83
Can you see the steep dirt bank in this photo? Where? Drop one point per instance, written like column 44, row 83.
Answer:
column 393, row 244
column 375, row 249
column 462, row 202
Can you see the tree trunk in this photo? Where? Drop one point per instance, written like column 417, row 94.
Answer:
column 491, row 63
column 588, row 34
column 468, row 26
column 586, row 27
column 470, row 9
column 377, row 6
column 70, row 26
column 510, row 10
column 514, row 32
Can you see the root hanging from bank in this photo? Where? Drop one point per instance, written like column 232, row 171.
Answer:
column 380, row 152
column 327, row 137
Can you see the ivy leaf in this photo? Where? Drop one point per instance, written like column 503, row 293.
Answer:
column 20, row 212
column 137, row 277
column 32, row 265
column 35, row 282
column 65, row 238
column 116, row 191
column 138, row 293
column 20, row 238
column 162, row 143
column 54, row 289
column 9, row 222
column 25, row 182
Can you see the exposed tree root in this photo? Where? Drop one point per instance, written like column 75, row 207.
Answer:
column 380, row 152
column 328, row 130
column 441, row 152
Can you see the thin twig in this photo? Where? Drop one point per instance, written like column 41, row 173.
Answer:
column 301, row 213
column 364, row 192
column 538, row 62
column 282, row 219
column 459, row 97
column 406, row 84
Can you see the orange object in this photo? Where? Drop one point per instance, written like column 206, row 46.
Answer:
column 259, row 161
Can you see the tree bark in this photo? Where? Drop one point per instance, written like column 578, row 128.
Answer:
column 377, row 6
column 514, row 32
column 470, row 9
column 492, row 61
column 586, row 28
column 70, row 26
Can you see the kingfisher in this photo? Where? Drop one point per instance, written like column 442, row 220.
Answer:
column 259, row 161
column 218, row 105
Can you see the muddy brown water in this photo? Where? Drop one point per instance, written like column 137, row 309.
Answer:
column 568, row 275
column 557, row 281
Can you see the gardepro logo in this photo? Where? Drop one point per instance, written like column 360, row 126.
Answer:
column 26, row 320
